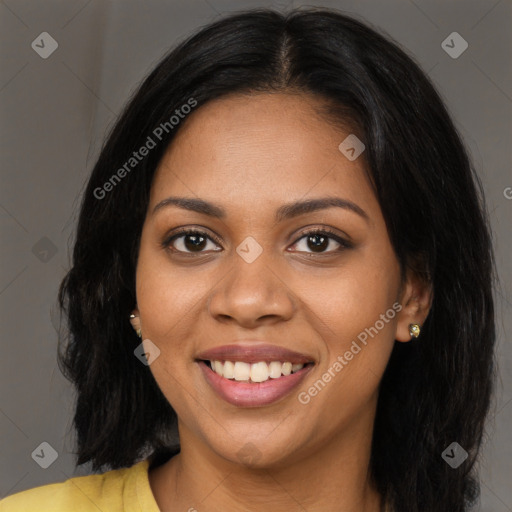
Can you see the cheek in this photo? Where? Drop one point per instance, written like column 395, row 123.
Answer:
column 355, row 317
column 167, row 299
column 166, row 294
column 352, row 300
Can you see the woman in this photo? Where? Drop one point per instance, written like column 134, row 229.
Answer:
column 282, row 256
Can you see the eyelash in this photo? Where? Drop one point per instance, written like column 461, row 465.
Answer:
column 325, row 231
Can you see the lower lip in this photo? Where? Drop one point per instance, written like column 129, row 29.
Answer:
column 257, row 394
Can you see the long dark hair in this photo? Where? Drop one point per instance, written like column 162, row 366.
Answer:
column 434, row 391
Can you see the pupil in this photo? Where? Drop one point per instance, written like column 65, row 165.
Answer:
column 318, row 245
column 197, row 242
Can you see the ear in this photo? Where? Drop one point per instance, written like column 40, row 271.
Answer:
column 135, row 321
column 416, row 300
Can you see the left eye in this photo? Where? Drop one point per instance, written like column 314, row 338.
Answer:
column 319, row 241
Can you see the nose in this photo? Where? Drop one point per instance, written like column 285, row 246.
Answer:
column 251, row 294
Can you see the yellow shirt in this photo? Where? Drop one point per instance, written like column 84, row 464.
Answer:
column 118, row 490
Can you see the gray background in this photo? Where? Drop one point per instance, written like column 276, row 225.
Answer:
column 54, row 115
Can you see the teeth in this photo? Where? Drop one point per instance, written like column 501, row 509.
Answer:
column 229, row 370
column 259, row 372
column 218, row 367
column 242, row 371
column 286, row 369
column 256, row 372
column 274, row 369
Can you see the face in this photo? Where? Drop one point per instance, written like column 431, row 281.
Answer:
column 245, row 285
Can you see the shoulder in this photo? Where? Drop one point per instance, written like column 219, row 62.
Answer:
column 125, row 489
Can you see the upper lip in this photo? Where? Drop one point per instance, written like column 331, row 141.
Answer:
column 254, row 353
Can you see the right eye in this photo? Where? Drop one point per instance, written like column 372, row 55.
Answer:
column 190, row 241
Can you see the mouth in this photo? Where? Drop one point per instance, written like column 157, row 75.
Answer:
column 253, row 375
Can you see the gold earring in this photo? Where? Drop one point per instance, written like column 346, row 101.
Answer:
column 414, row 330
column 138, row 331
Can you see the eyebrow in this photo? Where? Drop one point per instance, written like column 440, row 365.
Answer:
column 284, row 212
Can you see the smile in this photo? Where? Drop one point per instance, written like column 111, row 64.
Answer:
column 252, row 373
column 247, row 392
column 256, row 372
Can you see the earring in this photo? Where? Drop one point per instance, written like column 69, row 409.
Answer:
column 138, row 331
column 414, row 330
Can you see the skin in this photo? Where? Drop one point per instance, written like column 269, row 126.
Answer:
column 250, row 155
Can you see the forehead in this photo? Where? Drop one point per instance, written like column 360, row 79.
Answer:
column 248, row 147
